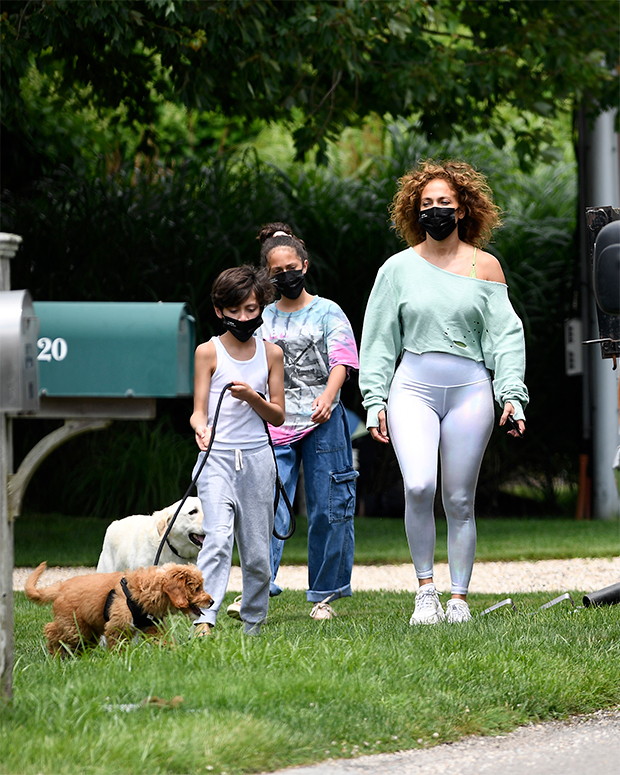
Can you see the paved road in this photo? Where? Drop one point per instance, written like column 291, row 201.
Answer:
column 585, row 745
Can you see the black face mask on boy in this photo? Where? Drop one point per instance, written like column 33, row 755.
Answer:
column 242, row 329
column 438, row 222
column 290, row 284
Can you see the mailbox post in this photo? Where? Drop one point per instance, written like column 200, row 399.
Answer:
column 18, row 390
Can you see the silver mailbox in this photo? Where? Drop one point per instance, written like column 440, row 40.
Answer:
column 19, row 374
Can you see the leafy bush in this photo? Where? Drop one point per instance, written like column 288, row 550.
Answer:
column 129, row 468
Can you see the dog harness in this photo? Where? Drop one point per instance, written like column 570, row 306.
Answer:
column 108, row 602
column 140, row 619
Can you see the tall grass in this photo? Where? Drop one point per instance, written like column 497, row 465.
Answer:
column 304, row 691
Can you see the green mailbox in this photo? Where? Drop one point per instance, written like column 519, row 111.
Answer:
column 98, row 362
column 115, row 350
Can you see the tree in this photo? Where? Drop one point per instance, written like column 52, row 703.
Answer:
column 452, row 64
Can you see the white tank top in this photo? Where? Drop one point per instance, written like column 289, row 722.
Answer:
column 238, row 425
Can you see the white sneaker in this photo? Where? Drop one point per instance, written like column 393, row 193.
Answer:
column 201, row 630
column 457, row 611
column 323, row 610
column 234, row 609
column 428, row 609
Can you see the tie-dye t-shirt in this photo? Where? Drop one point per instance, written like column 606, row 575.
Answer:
column 314, row 340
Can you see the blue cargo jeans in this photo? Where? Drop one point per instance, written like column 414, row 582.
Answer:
column 330, row 500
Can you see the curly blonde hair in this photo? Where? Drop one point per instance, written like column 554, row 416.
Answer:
column 481, row 214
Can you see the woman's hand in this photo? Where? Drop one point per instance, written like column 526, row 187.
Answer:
column 203, row 436
column 380, row 433
column 509, row 411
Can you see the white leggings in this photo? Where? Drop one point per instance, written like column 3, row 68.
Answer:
column 444, row 402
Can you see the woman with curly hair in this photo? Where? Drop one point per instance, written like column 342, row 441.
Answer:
column 440, row 338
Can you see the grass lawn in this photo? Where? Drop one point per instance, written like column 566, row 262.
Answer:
column 77, row 540
column 304, row 691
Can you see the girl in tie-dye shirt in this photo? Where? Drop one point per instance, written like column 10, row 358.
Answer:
column 319, row 350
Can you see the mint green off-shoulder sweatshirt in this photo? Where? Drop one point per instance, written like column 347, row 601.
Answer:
column 419, row 307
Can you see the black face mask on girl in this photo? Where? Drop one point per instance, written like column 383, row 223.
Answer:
column 290, row 284
column 242, row 329
column 438, row 222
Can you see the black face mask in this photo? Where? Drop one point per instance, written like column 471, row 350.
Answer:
column 438, row 222
column 242, row 329
column 290, row 284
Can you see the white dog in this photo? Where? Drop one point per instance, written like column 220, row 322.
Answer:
column 132, row 542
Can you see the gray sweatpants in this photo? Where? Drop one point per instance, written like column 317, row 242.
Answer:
column 236, row 491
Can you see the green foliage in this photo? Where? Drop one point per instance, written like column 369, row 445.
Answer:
column 129, row 468
column 149, row 470
column 157, row 235
column 537, row 248
column 165, row 234
column 304, row 691
column 325, row 65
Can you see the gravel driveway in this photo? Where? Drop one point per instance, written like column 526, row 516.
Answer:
column 586, row 575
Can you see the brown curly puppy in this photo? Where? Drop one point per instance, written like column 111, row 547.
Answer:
column 116, row 605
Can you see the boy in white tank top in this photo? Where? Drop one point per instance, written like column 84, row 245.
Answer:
column 237, row 483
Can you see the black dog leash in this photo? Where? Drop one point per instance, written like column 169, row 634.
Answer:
column 279, row 485
column 280, row 489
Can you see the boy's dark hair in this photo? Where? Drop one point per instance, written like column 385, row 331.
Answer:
column 286, row 240
column 233, row 286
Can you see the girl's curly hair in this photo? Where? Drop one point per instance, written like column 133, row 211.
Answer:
column 475, row 197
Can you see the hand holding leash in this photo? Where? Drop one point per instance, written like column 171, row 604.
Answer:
column 206, row 438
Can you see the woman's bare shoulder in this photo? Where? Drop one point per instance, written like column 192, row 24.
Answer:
column 489, row 268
